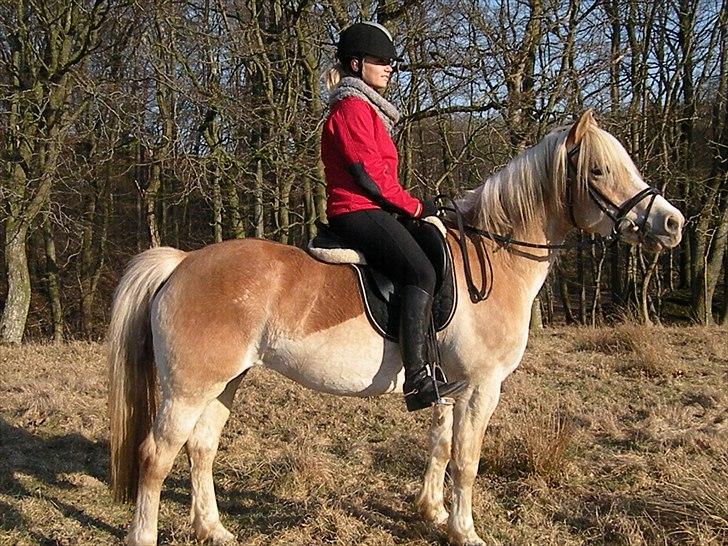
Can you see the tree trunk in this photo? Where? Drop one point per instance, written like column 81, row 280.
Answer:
column 724, row 306
column 93, row 245
column 612, row 9
column 536, row 316
column 616, row 288
column 17, row 303
column 150, row 205
column 644, row 291
column 52, row 283
column 309, row 209
column 596, row 306
column 232, row 206
column 708, row 275
column 564, row 294
column 139, row 175
column 216, row 205
column 581, row 275
column 284, row 210
column 258, row 207
column 549, row 294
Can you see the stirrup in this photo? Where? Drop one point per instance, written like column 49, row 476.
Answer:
column 415, row 404
column 414, row 400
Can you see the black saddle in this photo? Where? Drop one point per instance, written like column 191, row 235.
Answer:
column 380, row 293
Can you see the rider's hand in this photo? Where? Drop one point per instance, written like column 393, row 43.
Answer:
column 429, row 208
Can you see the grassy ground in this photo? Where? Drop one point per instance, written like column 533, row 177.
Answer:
column 607, row 436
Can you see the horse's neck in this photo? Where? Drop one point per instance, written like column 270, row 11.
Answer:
column 532, row 264
column 524, row 269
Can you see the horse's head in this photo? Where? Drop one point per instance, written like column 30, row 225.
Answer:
column 606, row 194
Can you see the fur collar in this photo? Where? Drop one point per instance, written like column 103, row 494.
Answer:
column 355, row 87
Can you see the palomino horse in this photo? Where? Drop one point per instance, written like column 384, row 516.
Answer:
column 204, row 318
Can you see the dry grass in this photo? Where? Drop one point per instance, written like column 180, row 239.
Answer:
column 606, row 436
column 694, row 504
column 535, row 444
column 643, row 350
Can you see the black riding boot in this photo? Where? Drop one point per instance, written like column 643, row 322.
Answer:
column 421, row 389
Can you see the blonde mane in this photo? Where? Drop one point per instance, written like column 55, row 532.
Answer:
column 532, row 186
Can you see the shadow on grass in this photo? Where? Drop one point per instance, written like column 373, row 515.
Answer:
column 601, row 512
column 253, row 511
column 256, row 513
column 10, row 518
column 404, row 525
column 401, row 457
column 47, row 459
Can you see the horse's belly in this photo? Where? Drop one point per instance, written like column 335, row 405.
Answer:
column 348, row 359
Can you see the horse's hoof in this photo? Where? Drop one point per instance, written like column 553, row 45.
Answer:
column 216, row 535
column 470, row 539
column 441, row 518
column 222, row 536
column 135, row 539
column 435, row 516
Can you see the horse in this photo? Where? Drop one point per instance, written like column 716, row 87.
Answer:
column 196, row 322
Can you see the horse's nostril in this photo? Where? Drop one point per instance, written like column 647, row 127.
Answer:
column 673, row 224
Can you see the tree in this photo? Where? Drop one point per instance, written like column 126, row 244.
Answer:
column 43, row 45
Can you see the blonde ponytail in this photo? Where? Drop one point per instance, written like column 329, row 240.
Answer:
column 333, row 76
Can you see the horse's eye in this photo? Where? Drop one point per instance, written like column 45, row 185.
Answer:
column 596, row 172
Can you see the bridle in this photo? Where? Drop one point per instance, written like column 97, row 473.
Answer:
column 616, row 213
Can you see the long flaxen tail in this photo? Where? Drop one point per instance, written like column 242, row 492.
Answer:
column 132, row 376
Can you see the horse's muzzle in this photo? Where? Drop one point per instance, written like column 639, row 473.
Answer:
column 669, row 228
column 663, row 231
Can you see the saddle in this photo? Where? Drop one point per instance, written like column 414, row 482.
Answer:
column 379, row 292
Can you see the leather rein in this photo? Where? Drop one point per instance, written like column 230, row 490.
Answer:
column 616, row 213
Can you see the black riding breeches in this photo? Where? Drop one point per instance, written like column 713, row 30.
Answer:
column 387, row 246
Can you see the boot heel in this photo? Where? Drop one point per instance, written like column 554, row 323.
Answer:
column 415, row 403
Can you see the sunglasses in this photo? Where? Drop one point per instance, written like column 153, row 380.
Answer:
column 381, row 62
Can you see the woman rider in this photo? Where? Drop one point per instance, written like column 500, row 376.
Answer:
column 363, row 191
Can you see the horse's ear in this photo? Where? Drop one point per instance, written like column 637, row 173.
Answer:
column 577, row 131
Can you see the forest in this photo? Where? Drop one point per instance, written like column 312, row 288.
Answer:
column 127, row 124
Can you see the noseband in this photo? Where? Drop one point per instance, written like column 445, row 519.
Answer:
column 616, row 213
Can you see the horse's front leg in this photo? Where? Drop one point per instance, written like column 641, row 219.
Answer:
column 430, row 502
column 471, row 415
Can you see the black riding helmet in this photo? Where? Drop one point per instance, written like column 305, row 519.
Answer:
column 361, row 39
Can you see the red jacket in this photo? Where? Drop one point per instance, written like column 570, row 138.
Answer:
column 360, row 162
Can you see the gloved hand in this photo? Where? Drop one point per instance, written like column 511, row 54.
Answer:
column 429, row 208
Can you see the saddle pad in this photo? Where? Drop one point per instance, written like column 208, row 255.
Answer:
column 382, row 310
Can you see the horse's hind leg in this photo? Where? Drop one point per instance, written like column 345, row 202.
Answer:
column 174, row 423
column 431, row 502
column 201, row 451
